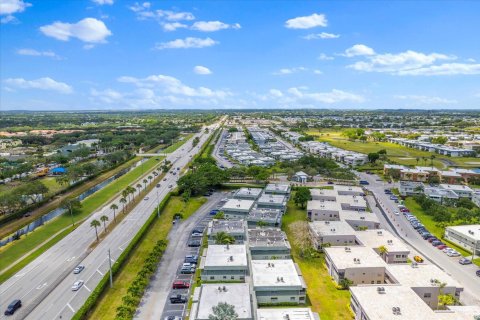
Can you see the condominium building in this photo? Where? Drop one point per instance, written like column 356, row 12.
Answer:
column 234, row 228
column 331, row 233
column 466, row 236
column 268, row 244
column 224, row 263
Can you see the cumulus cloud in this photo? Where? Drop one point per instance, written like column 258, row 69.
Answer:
column 103, row 2
column 285, row 71
column 202, row 70
column 143, row 11
column 210, row 26
column 107, row 95
column 307, row 22
column 172, row 26
column 88, row 30
column 36, row 53
column 323, row 35
column 419, row 99
column 331, row 97
column 443, row 70
column 45, row 83
column 359, row 50
column 325, row 57
column 186, row 43
column 10, row 7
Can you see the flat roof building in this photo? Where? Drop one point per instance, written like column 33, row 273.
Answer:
column 273, row 201
column 286, row 313
column 360, row 219
column 268, row 243
column 397, row 251
column 466, row 236
column 331, row 233
column 248, row 193
column 234, row 228
column 349, row 202
column 277, row 282
column 271, row 217
column 348, row 190
column 208, row 296
column 324, row 194
column 224, row 263
column 323, row 210
column 237, row 208
column 278, row 188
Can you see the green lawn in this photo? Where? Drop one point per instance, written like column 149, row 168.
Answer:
column 325, row 298
column 17, row 249
column 177, row 144
column 395, row 152
column 52, row 185
column 431, row 225
column 111, row 298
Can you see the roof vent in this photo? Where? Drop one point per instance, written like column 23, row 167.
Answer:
column 381, row 290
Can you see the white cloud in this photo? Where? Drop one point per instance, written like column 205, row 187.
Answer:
column 107, row 96
column 334, row 96
column 45, row 83
column 359, row 50
column 323, row 35
column 10, row 7
column 102, row 2
column 88, row 30
column 275, row 93
column 284, row 71
column 144, row 12
column 210, row 26
column 171, row 85
column 307, row 22
column 418, row 99
column 36, row 53
column 317, row 71
column 186, row 43
column 201, row 70
column 443, row 70
column 323, row 56
column 172, row 26
column 175, row 16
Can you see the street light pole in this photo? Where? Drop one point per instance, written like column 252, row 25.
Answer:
column 158, row 203
column 110, row 264
column 71, row 215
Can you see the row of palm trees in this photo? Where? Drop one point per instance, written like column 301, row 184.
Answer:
column 128, row 194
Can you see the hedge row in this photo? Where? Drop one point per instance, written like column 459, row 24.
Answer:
column 102, row 285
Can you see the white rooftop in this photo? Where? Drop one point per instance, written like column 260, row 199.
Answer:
column 357, row 201
column 330, row 228
column 237, row 294
column 380, row 237
column 275, row 273
column 456, row 187
column 277, row 187
column 271, row 198
column 341, row 188
column 323, row 205
column 221, row 256
column 238, row 205
column 248, row 192
column 471, row 231
column 420, row 275
column 323, row 192
column 358, row 215
column 349, row 257
column 285, row 313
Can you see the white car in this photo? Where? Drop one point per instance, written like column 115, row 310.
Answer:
column 77, row 285
column 453, row 254
column 396, row 213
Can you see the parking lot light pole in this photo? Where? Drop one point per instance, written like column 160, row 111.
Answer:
column 110, row 265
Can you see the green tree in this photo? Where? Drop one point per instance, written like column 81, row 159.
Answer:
column 219, row 215
column 345, row 283
column 95, row 224
column 223, row 311
column 373, row 157
column 71, row 204
column 123, row 201
column 302, row 196
column 104, row 219
column 223, row 238
column 114, row 207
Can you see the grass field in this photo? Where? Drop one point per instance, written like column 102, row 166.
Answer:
column 395, row 152
column 17, row 249
column 112, row 298
column 325, row 298
column 178, row 144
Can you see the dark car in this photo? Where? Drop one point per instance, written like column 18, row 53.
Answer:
column 478, row 273
column 428, row 236
column 437, row 243
column 12, row 307
column 191, row 258
column 178, row 298
column 194, row 243
column 432, row 239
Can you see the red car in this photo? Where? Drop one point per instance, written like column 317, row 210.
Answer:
column 441, row 247
column 180, row 285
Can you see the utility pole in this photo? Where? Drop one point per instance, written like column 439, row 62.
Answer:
column 110, row 264
column 71, row 214
column 158, row 202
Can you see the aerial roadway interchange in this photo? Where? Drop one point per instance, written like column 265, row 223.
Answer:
column 44, row 286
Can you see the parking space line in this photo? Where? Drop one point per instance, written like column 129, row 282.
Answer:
column 87, row 288
column 70, row 307
column 98, row 270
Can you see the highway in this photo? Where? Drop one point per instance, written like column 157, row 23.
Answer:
column 464, row 274
column 44, row 285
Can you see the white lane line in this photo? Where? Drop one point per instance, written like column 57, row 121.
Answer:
column 87, row 288
column 98, row 270
column 42, row 286
column 70, row 307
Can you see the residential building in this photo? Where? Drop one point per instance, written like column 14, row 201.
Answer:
column 224, row 263
column 237, row 208
column 277, row 188
column 268, row 244
column 286, row 313
column 461, row 190
column 396, row 250
column 348, row 190
column 410, row 188
column 440, row 194
column 323, row 210
column 277, row 282
column 324, row 194
column 331, row 233
column 235, row 228
column 272, row 201
column 466, row 236
column 248, row 193
column 352, row 202
column 267, row 216
column 360, row 219
column 300, row 177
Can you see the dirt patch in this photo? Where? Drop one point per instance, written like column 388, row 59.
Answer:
column 473, row 162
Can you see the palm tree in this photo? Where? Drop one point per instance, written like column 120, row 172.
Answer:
column 145, row 183
column 425, row 160
column 418, row 159
column 114, row 207
column 150, row 179
column 94, row 224
column 223, row 311
column 71, row 204
column 383, row 251
column 131, row 190
column 139, row 188
column 224, row 238
column 104, row 219
column 123, row 201
column 125, row 194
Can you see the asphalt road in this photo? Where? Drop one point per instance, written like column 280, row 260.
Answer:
column 44, row 285
column 155, row 302
column 217, row 155
column 464, row 274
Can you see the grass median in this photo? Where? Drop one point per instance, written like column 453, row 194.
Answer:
column 35, row 241
column 112, row 297
column 330, row 302
column 177, row 144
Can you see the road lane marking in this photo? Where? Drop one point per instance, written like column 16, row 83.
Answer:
column 70, row 307
column 70, row 259
column 98, row 270
column 87, row 288
column 42, row 286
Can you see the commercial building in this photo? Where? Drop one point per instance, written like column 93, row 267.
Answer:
column 268, row 244
column 224, row 263
column 361, row 265
column 277, row 282
column 207, row 296
column 466, row 236
column 286, row 313
column 331, row 233
column 237, row 208
column 383, row 240
column 234, row 228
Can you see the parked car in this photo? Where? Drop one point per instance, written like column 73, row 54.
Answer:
column 478, row 273
column 464, row 261
column 441, row 247
column 78, row 269
column 393, row 197
column 432, row 239
column 427, row 236
column 12, row 307
column 364, row 182
column 173, row 318
column 191, row 258
column 180, row 285
column 396, row 213
column 146, row 198
column 453, row 254
column 187, row 269
column 437, row 243
column 164, row 179
column 178, row 298
column 214, row 212
column 77, row 285
column 418, row 259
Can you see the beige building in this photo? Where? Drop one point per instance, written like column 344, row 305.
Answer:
column 360, row 219
column 331, row 233
column 323, row 210
column 397, row 251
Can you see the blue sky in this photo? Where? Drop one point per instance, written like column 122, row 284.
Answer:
column 113, row 54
